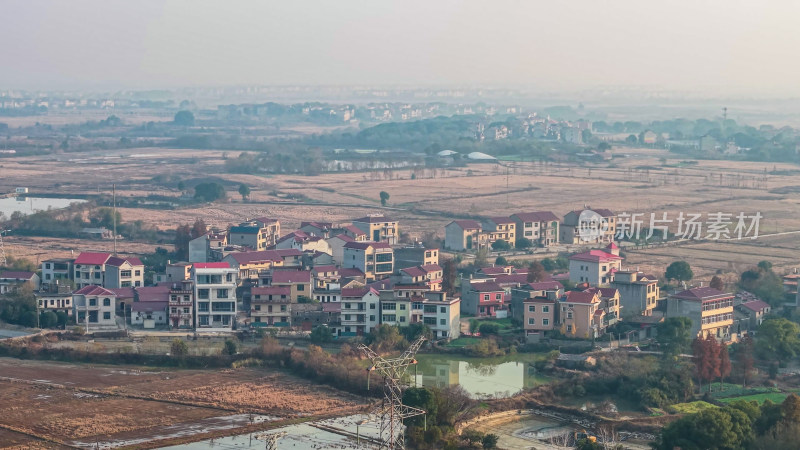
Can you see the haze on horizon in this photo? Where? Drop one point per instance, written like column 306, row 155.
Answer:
column 702, row 46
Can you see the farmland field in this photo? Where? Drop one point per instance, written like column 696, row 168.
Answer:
column 638, row 181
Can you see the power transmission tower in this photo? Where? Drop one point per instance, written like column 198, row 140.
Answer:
column 393, row 411
column 271, row 439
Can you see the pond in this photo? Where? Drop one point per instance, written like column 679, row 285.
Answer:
column 481, row 377
column 29, row 205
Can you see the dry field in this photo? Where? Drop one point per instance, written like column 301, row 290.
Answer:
column 81, row 403
column 638, row 183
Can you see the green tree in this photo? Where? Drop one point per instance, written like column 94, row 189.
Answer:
column 178, row 348
column 679, row 270
column 490, row 441
column 48, row 319
column 489, row 328
column 777, row 338
column 501, row 261
column 501, row 245
column 523, row 243
column 104, row 217
column 230, row 347
column 181, row 186
column 449, row 276
column 711, row 429
column 745, row 362
column 481, row 257
column 384, row 197
column 717, row 283
column 244, row 191
column 209, row 192
column 184, row 118
column 674, row 335
column 424, row 399
column 588, row 444
column 321, row 334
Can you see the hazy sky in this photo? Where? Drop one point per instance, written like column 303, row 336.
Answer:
column 724, row 45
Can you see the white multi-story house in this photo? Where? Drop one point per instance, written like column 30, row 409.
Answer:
column 215, row 296
column 93, row 308
column 360, row 310
column 596, row 267
column 123, row 272
column 440, row 313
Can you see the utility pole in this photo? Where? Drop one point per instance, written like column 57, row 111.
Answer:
column 393, row 411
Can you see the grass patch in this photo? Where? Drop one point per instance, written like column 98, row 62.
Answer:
column 463, row 342
column 737, row 390
column 775, row 397
column 691, row 407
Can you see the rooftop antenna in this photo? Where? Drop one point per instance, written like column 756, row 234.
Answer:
column 114, row 196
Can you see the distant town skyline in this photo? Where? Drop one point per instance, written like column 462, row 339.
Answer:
column 722, row 48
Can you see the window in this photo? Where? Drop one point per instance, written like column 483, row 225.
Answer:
column 347, row 317
column 203, row 320
column 222, row 293
column 569, row 328
column 429, row 320
column 106, row 315
column 92, row 302
column 372, row 318
column 569, row 315
column 442, row 321
column 138, row 273
column 257, row 308
column 531, row 321
column 97, row 275
column 545, row 322
column 431, row 309
column 545, row 309
column 202, row 293
column 498, row 296
column 174, row 310
column 389, row 306
column 402, row 307
column 125, row 274
column 202, row 306
column 106, row 302
column 301, row 287
column 372, row 306
column 402, row 318
column 389, row 318
column 531, row 308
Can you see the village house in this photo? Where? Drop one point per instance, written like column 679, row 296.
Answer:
column 90, row 268
column 271, row 306
column 609, row 303
column 324, row 276
column 379, row 228
column 57, row 298
column 303, row 242
column 173, row 273
column 395, row 311
column 57, row 269
column 581, row 315
column 540, row 227
column 462, row 235
column 374, row 259
column 298, row 282
column 123, row 272
column 415, row 256
column 94, row 308
column 539, row 316
column 501, row 229
column 359, row 311
column 596, row 267
column 12, row 280
column 215, row 296
column 440, row 313
column 710, row 310
column 552, row 290
column 337, row 243
column 483, row 298
column 573, row 231
column 257, row 234
column 205, row 248
column 181, row 305
column 755, row 310
column 322, row 229
column 251, row 265
column 355, row 233
column 639, row 292
column 148, row 315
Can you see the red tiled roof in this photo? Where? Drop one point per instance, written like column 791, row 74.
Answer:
column 291, row 276
column 756, row 305
column 294, row 234
column 413, row 272
column 603, row 292
column 351, row 272
column 384, row 284
column 319, row 225
column 271, row 290
column 514, row 278
column 153, row 293
column 94, row 290
column 344, row 237
column 612, row 246
column 486, row 286
column 356, row 292
column 538, row 299
column 284, row 252
column 92, row 258
column 595, row 256
column 467, row 224
column 212, row 265
column 579, row 297
column 328, row 268
column 355, row 230
column 8, row 274
column 259, row 256
column 495, row 270
column 331, row 307
column 126, row 292
column 118, row 262
column 702, row 294
column 536, row 216
column 431, row 268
